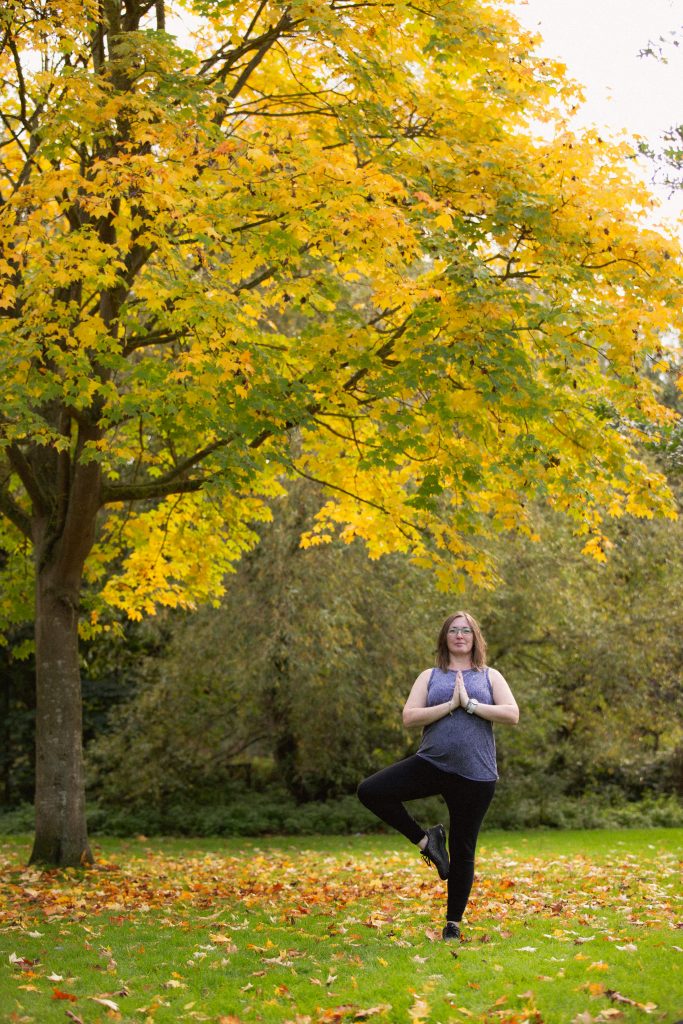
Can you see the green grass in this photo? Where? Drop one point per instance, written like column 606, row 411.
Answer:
column 562, row 927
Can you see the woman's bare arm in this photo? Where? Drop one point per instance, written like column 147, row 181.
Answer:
column 504, row 707
column 416, row 714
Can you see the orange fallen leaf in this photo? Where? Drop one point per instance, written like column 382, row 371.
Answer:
column 58, row 994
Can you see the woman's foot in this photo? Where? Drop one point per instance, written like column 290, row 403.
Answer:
column 434, row 850
column 451, row 932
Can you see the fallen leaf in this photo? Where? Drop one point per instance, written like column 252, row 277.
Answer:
column 280, row 960
column 225, row 940
column 58, row 994
column 22, row 962
column 617, row 997
column 103, row 1001
column 419, row 1011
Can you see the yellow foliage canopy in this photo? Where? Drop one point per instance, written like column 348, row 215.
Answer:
column 354, row 242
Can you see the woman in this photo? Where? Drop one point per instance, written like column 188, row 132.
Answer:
column 455, row 704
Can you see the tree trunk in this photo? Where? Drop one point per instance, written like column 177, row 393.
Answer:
column 61, row 834
column 61, row 543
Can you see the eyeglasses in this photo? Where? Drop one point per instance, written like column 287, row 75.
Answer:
column 460, row 631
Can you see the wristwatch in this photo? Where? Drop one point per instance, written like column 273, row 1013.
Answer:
column 471, row 705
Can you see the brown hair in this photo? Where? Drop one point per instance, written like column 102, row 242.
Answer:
column 478, row 653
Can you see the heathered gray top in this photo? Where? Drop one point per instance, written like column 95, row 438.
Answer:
column 459, row 742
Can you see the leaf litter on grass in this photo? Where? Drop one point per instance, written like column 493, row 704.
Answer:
column 296, row 885
column 569, row 892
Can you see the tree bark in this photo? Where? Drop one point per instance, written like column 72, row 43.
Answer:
column 62, row 541
column 61, row 833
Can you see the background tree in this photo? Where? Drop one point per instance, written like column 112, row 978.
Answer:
column 303, row 665
column 472, row 306
column 297, row 680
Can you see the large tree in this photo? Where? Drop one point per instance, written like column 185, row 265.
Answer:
column 324, row 240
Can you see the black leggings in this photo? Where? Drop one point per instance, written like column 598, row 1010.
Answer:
column 467, row 802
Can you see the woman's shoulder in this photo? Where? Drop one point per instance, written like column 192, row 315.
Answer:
column 425, row 675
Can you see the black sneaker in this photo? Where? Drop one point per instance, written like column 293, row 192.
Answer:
column 450, row 932
column 435, row 851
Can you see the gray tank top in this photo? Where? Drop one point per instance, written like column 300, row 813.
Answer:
column 460, row 743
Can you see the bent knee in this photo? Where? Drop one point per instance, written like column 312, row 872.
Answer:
column 365, row 792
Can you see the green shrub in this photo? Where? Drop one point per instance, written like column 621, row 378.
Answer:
column 249, row 814
column 273, row 812
column 19, row 819
column 605, row 809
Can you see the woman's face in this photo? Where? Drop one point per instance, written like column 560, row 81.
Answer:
column 460, row 637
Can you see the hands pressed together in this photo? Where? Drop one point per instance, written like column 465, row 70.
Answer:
column 460, row 698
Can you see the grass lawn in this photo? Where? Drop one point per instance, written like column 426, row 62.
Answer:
column 563, row 927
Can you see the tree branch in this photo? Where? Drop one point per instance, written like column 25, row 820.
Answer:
column 364, row 501
column 24, row 471
column 14, row 512
column 175, row 481
column 158, row 338
column 151, row 491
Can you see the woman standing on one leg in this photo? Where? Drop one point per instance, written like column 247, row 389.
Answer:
column 455, row 704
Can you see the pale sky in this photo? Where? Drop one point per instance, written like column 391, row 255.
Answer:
column 599, row 41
